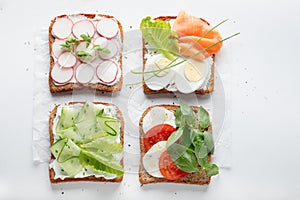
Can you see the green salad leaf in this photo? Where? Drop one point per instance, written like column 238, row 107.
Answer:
column 203, row 118
column 158, row 35
column 87, row 138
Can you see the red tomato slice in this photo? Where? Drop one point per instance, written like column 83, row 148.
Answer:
column 168, row 167
column 157, row 133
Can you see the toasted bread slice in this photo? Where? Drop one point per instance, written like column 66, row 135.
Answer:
column 146, row 178
column 210, row 84
column 54, row 87
column 88, row 178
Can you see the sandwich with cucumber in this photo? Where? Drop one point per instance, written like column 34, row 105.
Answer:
column 176, row 145
column 86, row 142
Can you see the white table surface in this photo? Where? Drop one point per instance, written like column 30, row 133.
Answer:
column 264, row 63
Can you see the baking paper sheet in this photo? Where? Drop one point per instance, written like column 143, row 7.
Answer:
column 131, row 101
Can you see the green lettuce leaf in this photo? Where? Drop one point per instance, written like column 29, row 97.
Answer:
column 158, row 34
column 100, row 163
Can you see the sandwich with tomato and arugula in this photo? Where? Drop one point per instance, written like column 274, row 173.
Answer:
column 176, row 145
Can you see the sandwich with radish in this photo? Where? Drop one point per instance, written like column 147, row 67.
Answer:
column 85, row 52
column 176, row 145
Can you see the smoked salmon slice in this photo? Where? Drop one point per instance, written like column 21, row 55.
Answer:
column 195, row 35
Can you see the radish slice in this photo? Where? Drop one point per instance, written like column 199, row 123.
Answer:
column 112, row 47
column 107, row 71
column 84, row 73
column 101, row 41
column 56, row 48
column 62, row 28
column 83, row 27
column 107, row 27
column 61, row 75
column 67, row 60
column 84, row 47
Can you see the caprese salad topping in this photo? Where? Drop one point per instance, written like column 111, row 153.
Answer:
column 177, row 144
column 80, row 47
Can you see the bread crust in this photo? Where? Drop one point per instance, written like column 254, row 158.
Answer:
column 89, row 178
column 146, row 178
column 210, row 84
column 75, row 86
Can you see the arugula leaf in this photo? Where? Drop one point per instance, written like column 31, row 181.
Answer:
column 174, row 137
column 208, row 141
column 203, row 118
column 158, row 34
column 185, row 116
column 183, row 158
column 100, row 163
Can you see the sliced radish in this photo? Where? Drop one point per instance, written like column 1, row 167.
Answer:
column 107, row 71
column 67, row 60
column 83, row 27
column 56, row 47
column 107, row 27
column 61, row 75
column 84, row 73
column 101, row 41
column 62, row 28
column 87, row 48
column 112, row 47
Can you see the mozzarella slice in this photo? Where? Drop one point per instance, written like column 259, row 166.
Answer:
column 158, row 115
column 107, row 27
column 151, row 158
column 83, row 27
column 62, row 28
column 153, row 81
column 185, row 81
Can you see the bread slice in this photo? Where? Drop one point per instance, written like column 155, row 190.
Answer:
column 89, row 178
column 73, row 86
column 146, row 178
column 210, row 84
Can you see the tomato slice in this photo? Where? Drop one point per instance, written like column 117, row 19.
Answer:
column 157, row 133
column 168, row 167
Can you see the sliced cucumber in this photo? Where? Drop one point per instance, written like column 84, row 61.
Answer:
column 70, row 133
column 66, row 119
column 71, row 166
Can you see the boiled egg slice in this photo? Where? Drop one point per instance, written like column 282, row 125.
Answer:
column 151, row 158
column 158, row 115
column 191, row 75
column 158, row 80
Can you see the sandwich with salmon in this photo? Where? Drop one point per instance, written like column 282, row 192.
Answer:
column 85, row 52
column 179, row 54
column 86, row 142
column 176, row 145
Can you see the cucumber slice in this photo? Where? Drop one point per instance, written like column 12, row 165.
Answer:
column 109, row 125
column 86, row 113
column 104, row 145
column 71, row 166
column 66, row 119
column 57, row 147
column 70, row 133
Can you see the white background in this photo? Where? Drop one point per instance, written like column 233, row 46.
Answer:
column 264, row 62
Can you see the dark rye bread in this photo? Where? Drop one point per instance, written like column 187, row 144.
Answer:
column 210, row 84
column 89, row 178
column 72, row 86
column 145, row 178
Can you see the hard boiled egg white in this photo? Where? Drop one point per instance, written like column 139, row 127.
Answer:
column 183, row 80
column 153, row 81
column 158, row 115
column 151, row 158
